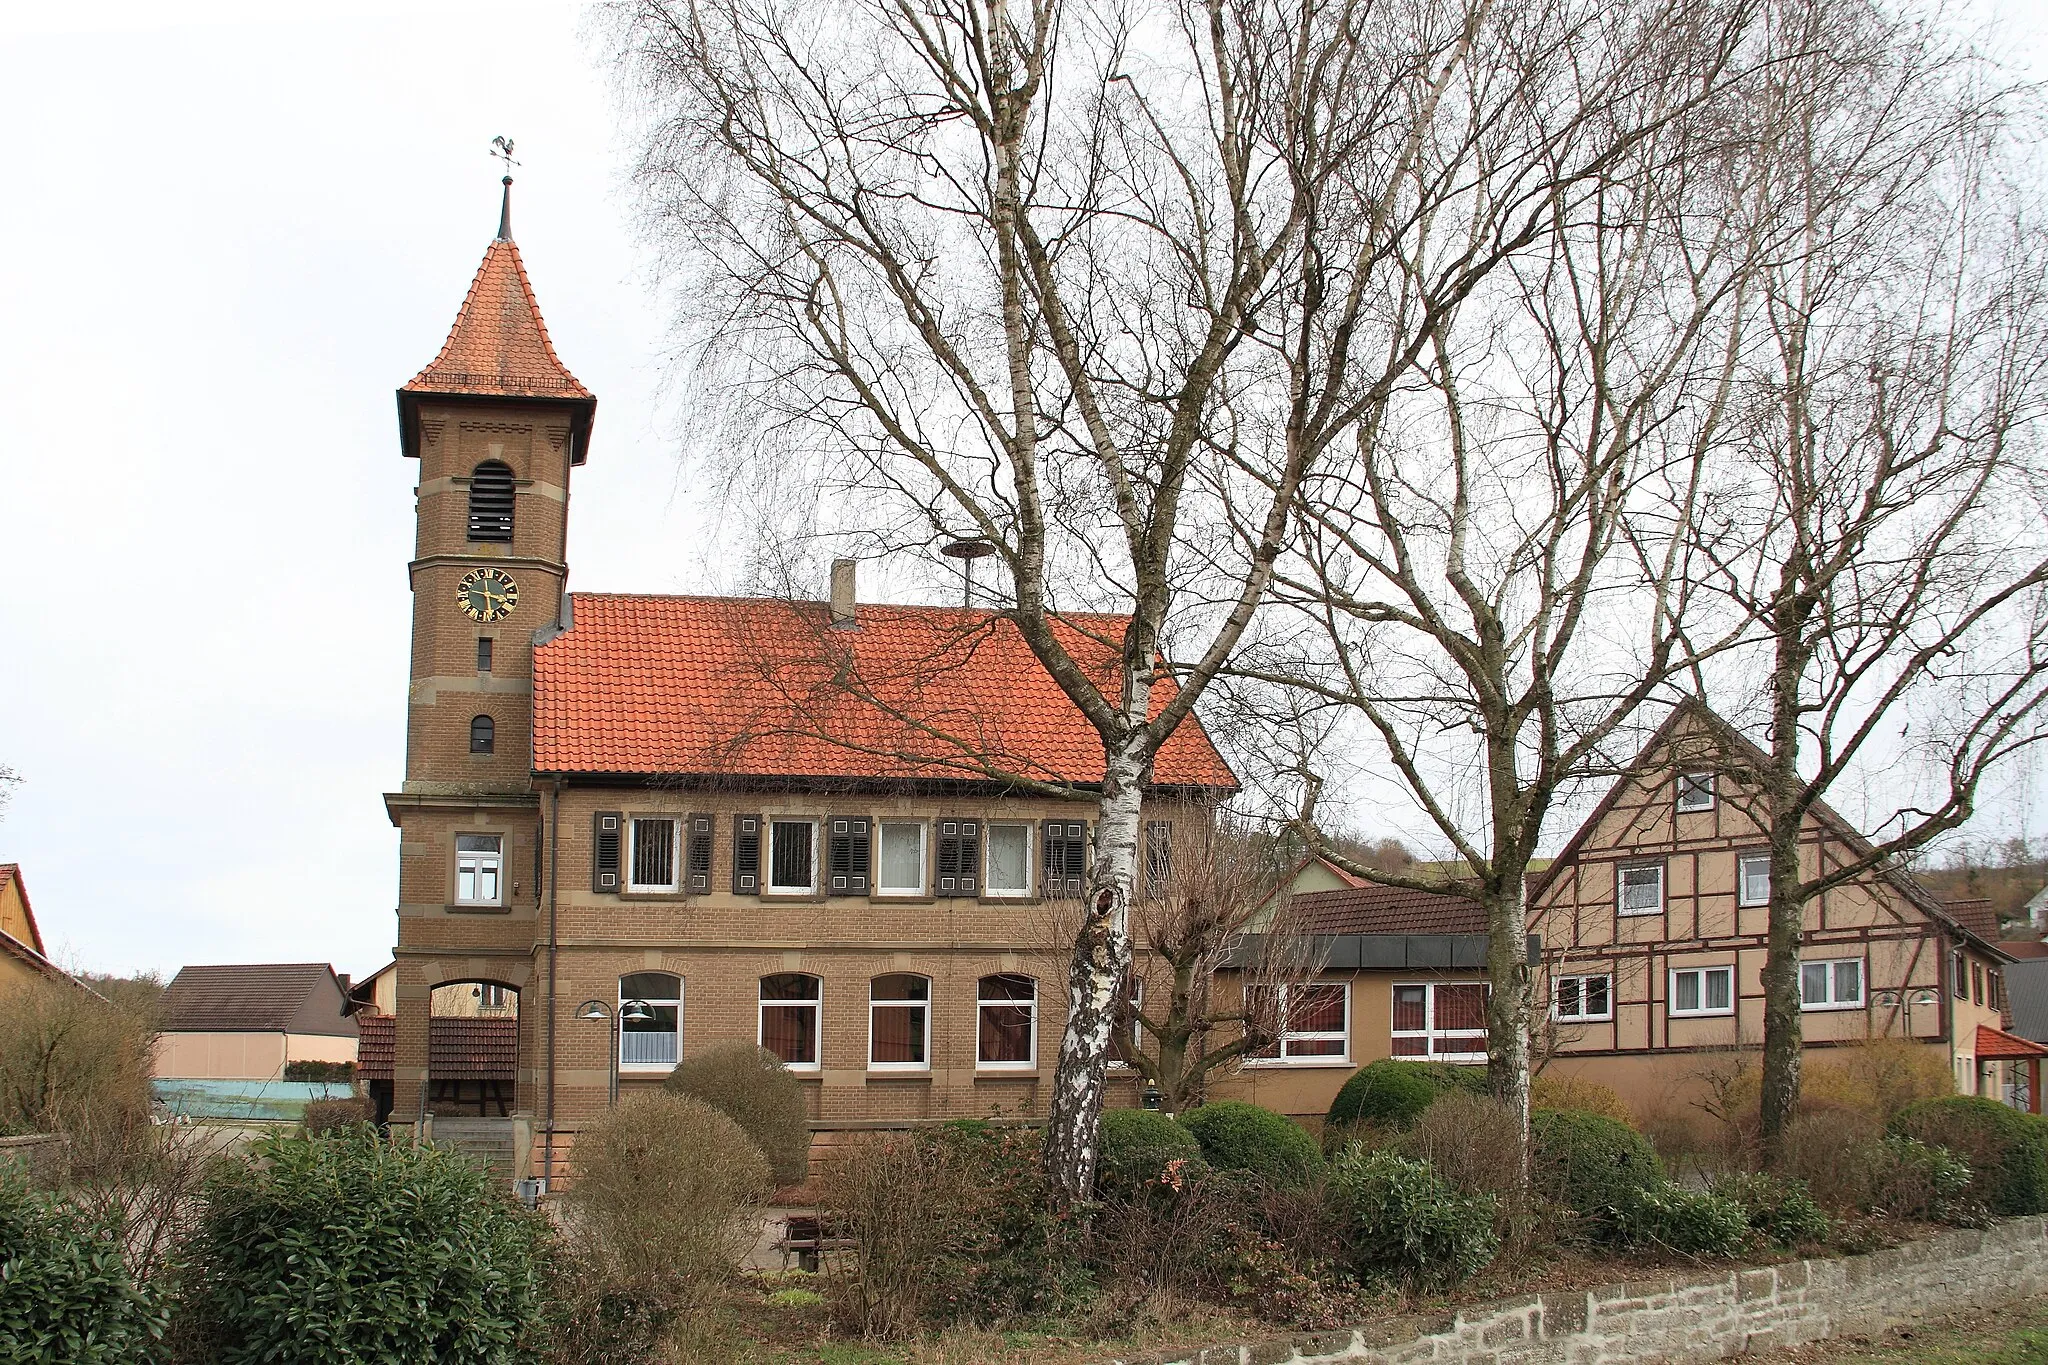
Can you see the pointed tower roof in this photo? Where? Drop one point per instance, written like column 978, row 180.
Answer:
column 499, row 346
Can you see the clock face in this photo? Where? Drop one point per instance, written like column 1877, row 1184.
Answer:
column 487, row 594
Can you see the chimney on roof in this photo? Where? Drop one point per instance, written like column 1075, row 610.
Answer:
column 842, row 594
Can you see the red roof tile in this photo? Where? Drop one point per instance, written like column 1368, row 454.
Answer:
column 1976, row 916
column 499, row 345
column 1996, row 1044
column 1387, row 910
column 2023, row 948
column 457, row 1049
column 767, row 688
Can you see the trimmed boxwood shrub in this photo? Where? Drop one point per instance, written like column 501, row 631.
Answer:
column 1404, row 1223
column 1236, row 1136
column 751, row 1086
column 65, row 1294
column 2007, row 1151
column 1136, row 1146
column 1591, row 1164
column 341, row 1248
column 1391, row 1093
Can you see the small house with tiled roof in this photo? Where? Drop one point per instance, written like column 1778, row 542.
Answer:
column 249, row 1020
column 665, row 823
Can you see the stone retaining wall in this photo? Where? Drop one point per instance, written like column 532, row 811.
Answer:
column 1704, row 1317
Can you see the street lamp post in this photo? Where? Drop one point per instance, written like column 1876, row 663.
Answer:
column 598, row 1011
column 1905, row 1000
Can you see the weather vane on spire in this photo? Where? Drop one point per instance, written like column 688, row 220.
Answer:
column 501, row 148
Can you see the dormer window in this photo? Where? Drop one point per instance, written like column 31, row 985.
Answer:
column 1695, row 792
column 490, row 501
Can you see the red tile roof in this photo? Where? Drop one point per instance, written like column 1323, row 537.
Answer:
column 1975, row 915
column 2023, row 949
column 499, row 345
column 1387, row 910
column 457, row 1049
column 1996, row 1044
column 763, row 687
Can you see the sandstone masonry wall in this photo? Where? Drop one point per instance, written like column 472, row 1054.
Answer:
column 1708, row 1317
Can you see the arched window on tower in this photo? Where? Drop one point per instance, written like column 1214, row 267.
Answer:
column 483, row 735
column 490, row 501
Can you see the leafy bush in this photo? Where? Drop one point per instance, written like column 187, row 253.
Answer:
column 1236, row 1136
column 1390, row 1093
column 1906, row 1178
column 324, row 1116
column 1475, row 1143
column 1877, row 1077
column 948, row 1224
column 1136, row 1146
column 665, row 1190
column 2007, row 1151
column 1590, row 1164
column 1404, row 1223
column 329, row 1072
column 1779, row 1209
column 343, row 1248
column 1691, row 1222
column 751, row 1086
column 65, row 1294
column 1555, row 1090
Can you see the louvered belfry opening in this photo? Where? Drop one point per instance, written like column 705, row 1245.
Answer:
column 490, row 501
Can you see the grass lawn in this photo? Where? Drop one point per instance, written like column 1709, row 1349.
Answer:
column 2017, row 1335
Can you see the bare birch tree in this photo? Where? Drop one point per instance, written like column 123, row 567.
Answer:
column 1100, row 283
column 1892, row 432
column 1508, row 565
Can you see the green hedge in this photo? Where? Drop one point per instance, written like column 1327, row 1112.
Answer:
column 1392, row 1093
column 1136, row 1146
column 1781, row 1210
column 65, row 1295
column 1591, row 1164
column 342, row 1248
column 1693, row 1222
column 1236, row 1136
column 2007, row 1151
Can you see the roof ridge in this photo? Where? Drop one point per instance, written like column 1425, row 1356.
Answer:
column 820, row 602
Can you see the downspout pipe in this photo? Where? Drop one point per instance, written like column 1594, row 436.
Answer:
column 554, row 948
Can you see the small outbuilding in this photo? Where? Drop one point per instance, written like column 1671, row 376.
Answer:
column 249, row 1020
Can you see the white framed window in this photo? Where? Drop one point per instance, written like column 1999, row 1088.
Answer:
column 1311, row 1025
column 900, row 1023
column 1443, row 1021
column 1833, row 985
column 1006, row 1022
column 653, row 1043
column 1702, row 990
column 900, row 866
column 1007, row 866
column 791, row 1003
column 652, row 866
column 1582, row 999
column 1753, row 879
column 792, row 858
column 479, row 869
column 1695, row 792
column 1639, row 888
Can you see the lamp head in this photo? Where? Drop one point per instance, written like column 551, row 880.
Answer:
column 636, row 1011
column 594, row 1010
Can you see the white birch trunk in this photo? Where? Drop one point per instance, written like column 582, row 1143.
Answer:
column 1102, row 956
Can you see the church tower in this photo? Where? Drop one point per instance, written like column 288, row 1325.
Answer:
column 497, row 423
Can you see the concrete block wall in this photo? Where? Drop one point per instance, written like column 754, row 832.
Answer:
column 1704, row 1317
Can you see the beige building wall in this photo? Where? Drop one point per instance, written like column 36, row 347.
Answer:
column 243, row 1056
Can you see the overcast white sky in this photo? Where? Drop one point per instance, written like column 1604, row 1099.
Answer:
column 225, row 239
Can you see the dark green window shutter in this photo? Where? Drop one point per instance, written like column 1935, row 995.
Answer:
column 697, row 852
column 607, row 826
column 849, row 843
column 746, row 855
column 959, row 857
column 1066, row 858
